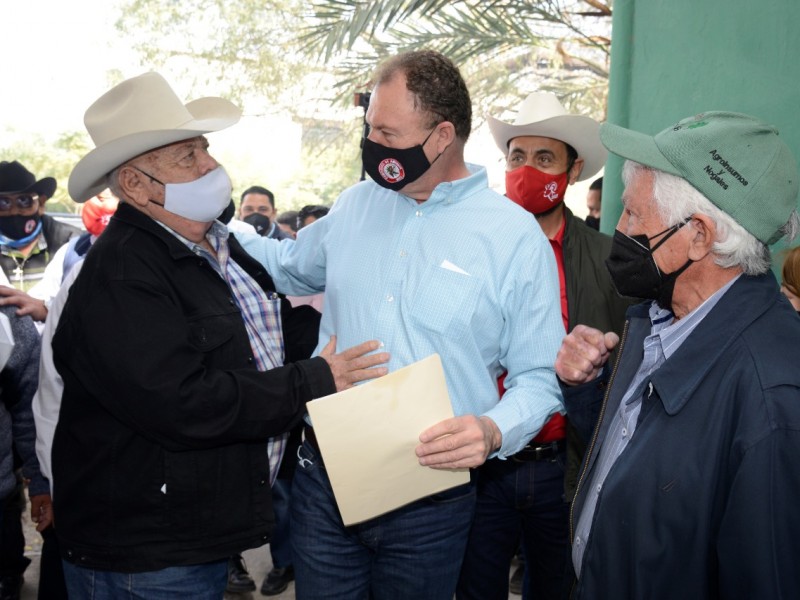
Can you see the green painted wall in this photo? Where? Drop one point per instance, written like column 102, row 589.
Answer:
column 675, row 58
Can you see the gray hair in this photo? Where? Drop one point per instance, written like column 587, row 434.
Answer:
column 112, row 181
column 677, row 200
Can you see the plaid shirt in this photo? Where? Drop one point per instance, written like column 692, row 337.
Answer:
column 261, row 312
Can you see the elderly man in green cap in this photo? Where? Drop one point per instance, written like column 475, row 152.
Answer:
column 689, row 486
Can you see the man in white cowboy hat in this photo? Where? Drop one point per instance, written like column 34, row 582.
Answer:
column 28, row 237
column 690, row 484
column 546, row 150
column 171, row 346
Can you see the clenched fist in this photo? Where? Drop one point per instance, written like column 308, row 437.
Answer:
column 583, row 353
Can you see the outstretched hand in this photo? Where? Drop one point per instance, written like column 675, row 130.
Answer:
column 354, row 364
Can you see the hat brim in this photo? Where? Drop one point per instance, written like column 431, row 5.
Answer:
column 44, row 187
column 635, row 146
column 578, row 131
column 88, row 178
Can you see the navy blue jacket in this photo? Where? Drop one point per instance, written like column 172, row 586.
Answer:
column 705, row 500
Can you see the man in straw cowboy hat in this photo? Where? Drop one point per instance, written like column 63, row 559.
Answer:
column 170, row 347
column 546, row 149
column 689, row 487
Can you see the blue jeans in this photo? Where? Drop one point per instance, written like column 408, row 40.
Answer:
column 280, row 546
column 198, row 582
column 513, row 498
column 410, row 553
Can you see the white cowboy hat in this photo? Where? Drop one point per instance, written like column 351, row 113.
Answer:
column 138, row 115
column 542, row 115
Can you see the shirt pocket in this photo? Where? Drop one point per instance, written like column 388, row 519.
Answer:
column 445, row 301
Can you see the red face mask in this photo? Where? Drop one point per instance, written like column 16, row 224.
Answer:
column 535, row 191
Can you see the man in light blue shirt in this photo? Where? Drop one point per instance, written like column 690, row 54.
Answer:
column 413, row 258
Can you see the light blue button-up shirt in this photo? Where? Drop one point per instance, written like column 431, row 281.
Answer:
column 466, row 274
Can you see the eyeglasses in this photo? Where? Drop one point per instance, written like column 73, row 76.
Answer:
column 22, row 201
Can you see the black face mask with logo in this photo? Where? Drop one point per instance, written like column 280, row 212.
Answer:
column 395, row 168
column 19, row 227
column 634, row 271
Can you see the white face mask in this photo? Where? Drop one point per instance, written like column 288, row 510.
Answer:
column 201, row 200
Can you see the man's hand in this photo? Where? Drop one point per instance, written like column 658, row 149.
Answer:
column 27, row 304
column 459, row 443
column 42, row 511
column 354, row 364
column 583, row 353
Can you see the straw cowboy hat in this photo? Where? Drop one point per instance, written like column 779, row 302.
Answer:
column 542, row 115
column 136, row 116
column 16, row 179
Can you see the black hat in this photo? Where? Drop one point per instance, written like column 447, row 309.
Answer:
column 16, row 179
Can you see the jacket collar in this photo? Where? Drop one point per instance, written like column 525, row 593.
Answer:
column 135, row 218
column 746, row 300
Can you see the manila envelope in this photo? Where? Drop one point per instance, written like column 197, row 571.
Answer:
column 367, row 436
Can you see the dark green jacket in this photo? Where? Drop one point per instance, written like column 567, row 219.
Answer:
column 592, row 300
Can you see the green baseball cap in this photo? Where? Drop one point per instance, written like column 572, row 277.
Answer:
column 734, row 160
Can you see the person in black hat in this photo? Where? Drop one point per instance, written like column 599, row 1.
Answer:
column 28, row 237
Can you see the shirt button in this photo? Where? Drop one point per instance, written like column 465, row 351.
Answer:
column 389, row 298
column 577, row 541
column 419, row 213
column 599, row 487
column 403, row 253
column 624, row 432
column 262, row 482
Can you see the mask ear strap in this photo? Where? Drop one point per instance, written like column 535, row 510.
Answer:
column 426, row 141
column 150, row 176
column 674, row 229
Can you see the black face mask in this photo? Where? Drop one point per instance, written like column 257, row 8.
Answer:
column 395, row 168
column 228, row 213
column 19, row 227
column 634, row 271
column 593, row 222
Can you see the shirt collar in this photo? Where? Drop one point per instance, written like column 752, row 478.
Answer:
column 450, row 192
column 672, row 333
column 41, row 245
column 559, row 237
column 217, row 234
